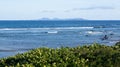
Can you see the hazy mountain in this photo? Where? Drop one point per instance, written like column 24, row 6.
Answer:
column 62, row 19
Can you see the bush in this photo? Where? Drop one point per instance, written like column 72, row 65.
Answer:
column 95, row 55
column 117, row 44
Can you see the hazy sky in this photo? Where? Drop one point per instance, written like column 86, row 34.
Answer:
column 36, row 9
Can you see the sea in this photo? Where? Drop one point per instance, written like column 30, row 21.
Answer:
column 21, row 36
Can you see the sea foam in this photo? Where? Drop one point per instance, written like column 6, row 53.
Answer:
column 55, row 28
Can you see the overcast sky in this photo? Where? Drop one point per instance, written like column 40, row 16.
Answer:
column 36, row 9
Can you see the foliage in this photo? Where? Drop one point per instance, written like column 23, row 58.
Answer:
column 117, row 44
column 95, row 55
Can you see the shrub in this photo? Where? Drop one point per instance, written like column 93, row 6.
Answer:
column 95, row 55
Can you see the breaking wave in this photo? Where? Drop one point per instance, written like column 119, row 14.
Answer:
column 56, row 28
column 54, row 32
column 94, row 32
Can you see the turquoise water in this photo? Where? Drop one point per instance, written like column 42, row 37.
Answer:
column 20, row 36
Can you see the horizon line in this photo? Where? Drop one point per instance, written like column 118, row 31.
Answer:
column 59, row 20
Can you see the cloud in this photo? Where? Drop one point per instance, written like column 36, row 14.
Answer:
column 90, row 8
column 48, row 11
column 67, row 11
column 94, row 8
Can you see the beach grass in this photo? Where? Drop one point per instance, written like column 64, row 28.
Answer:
column 95, row 55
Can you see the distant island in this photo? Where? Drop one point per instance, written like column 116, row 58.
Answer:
column 61, row 19
column 51, row 19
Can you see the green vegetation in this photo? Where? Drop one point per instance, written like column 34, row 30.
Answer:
column 95, row 55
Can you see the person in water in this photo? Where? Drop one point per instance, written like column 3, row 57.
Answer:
column 105, row 37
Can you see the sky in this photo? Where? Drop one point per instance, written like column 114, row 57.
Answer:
column 37, row 9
